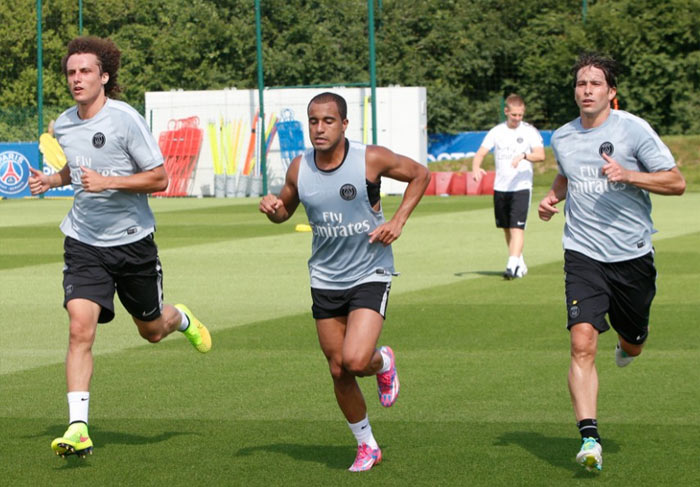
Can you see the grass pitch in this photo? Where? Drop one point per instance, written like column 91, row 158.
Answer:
column 483, row 362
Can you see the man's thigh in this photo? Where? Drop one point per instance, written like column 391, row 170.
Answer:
column 139, row 279
column 362, row 333
column 633, row 285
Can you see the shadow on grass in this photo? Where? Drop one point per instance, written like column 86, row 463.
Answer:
column 336, row 457
column 558, row 452
column 103, row 439
column 479, row 273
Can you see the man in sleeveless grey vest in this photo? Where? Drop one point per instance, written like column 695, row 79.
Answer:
column 113, row 163
column 351, row 263
column 609, row 161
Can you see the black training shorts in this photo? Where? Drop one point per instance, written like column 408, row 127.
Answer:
column 510, row 208
column 93, row 273
column 623, row 290
column 329, row 303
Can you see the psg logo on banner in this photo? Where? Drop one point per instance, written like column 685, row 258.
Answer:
column 348, row 192
column 98, row 140
column 14, row 172
column 606, row 148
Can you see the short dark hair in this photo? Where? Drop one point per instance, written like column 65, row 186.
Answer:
column 605, row 63
column 108, row 58
column 327, row 97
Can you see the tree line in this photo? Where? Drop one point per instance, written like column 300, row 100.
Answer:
column 469, row 54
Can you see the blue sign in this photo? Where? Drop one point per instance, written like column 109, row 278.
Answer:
column 444, row 147
column 15, row 160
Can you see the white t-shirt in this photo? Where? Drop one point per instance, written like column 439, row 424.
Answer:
column 507, row 143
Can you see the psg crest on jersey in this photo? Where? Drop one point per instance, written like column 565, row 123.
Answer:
column 606, row 148
column 98, row 140
column 519, row 140
column 348, row 192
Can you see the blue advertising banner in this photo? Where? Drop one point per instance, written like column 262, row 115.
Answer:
column 444, row 147
column 15, row 160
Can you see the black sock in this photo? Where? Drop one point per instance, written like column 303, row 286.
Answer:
column 588, row 429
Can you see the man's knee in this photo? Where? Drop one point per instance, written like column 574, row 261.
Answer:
column 584, row 341
column 153, row 337
column 151, row 330
column 356, row 365
column 631, row 349
column 81, row 332
column 336, row 370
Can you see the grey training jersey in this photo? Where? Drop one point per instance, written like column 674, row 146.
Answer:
column 608, row 222
column 115, row 142
column 341, row 218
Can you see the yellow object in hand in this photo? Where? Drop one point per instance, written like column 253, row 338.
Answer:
column 53, row 154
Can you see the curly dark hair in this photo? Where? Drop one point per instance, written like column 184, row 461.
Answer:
column 327, row 97
column 606, row 64
column 108, row 58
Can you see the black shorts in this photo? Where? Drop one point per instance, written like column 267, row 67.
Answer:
column 623, row 290
column 93, row 273
column 329, row 303
column 510, row 208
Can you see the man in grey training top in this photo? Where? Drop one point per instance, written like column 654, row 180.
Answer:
column 113, row 162
column 351, row 262
column 609, row 161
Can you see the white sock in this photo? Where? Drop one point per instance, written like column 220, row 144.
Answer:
column 386, row 362
column 185, row 321
column 513, row 262
column 363, row 433
column 78, row 404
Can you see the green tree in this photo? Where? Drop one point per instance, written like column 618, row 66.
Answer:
column 469, row 54
column 658, row 46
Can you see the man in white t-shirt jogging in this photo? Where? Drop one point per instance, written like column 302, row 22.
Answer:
column 609, row 161
column 516, row 145
column 113, row 162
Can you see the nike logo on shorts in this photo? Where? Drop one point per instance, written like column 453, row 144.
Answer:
column 146, row 313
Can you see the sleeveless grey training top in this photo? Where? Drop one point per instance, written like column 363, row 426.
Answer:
column 341, row 218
